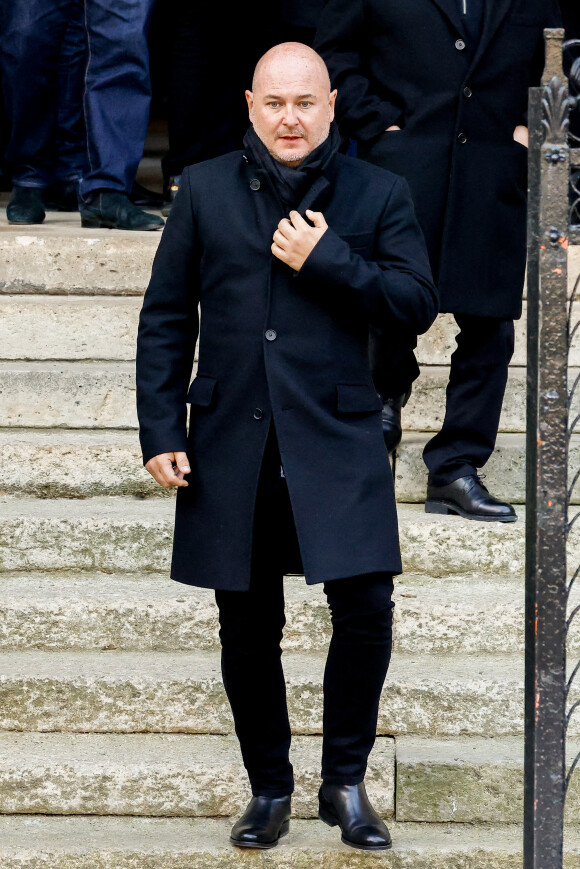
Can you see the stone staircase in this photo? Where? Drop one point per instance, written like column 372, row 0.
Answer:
column 116, row 745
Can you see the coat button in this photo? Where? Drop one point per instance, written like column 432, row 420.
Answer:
column 258, row 413
column 467, row 92
column 462, row 138
column 255, row 184
column 460, row 45
column 271, row 335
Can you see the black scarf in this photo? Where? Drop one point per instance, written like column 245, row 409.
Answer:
column 291, row 183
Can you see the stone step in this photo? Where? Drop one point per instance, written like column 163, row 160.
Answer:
column 68, row 394
column 426, row 407
column 102, row 395
column 119, row 534
column 182, row 692
column 505, row 473
column 99, row 327
column 60, row 257
column 39, row 842
column 475, row 780
column 72, row 463
column 89, row 612
column 158, row 775
column 68, row 327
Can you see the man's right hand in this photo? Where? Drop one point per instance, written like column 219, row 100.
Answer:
column 168, row 469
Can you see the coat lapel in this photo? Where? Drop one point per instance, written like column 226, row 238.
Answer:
column 450, row 8
column 495, row 12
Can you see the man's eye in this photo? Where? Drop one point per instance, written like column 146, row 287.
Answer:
column 305, row 105
column 274, row 105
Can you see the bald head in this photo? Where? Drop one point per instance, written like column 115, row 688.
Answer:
column 288, row 58
column 291, row 104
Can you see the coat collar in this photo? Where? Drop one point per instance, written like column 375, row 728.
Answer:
column 494, row 15
column 450, row 8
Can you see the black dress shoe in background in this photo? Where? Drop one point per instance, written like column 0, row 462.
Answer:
column 144, row 197
column 391, row 419
column 170, row 193
column 111, row 209
column 26, row 206
column 469, row 498
column 61, row 197
column 263, row 823
column 348, row 807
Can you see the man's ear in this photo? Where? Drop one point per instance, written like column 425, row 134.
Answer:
column 250, row 102
column 331, row 103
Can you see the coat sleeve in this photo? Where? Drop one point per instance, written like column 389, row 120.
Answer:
column 340, row 40
column 396, row 288
column 168, row 331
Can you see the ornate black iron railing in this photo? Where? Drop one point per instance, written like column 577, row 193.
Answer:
column 553, row 225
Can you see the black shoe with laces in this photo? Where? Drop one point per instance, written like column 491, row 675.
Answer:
column 111, row 209
column 469, row 498
column 26, row 206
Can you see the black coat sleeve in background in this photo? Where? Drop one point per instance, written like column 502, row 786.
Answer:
column 396, row 289
column 168, row 331
column 339, row 39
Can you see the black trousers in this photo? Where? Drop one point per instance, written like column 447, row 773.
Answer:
column 251, row 627
column 474, row 398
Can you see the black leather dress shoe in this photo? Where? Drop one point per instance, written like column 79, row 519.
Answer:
column 391, row 419
column 61, row 197
column 111, row 209
column 144, row 197
column 263, row 823
column 469, row 498
column 348, row 807
column 26, row 206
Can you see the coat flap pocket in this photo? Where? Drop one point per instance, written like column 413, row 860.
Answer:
column 358, row 240
column 201, row 391
column 357, row 398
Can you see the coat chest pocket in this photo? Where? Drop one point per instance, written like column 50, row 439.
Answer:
column 359, row 241
column 526, row 18
column 352, row 398
column 201, row 391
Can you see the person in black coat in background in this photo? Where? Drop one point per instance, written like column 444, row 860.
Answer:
column 436, row 90
column 291, row 250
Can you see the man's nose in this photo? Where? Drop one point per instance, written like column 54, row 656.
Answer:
column 290, row 117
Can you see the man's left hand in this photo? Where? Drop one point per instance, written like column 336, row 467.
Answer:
column 295, row 239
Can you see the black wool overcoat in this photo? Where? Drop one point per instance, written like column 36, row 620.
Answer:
column 458, row 101
column 283, row 347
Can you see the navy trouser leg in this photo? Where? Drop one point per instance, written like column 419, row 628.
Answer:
column 358, row 659
column 118, row 91
column 71, row 146
column 31, row 37
column 475, row 392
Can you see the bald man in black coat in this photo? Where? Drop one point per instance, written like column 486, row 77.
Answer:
column 291, row 250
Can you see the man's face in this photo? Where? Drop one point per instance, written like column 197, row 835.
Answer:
column 291, row 107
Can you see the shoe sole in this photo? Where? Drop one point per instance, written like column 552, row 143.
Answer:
column 25, row 222
column 263, row 846
column 331, row 820
column 446, row 508
column 89, row 223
